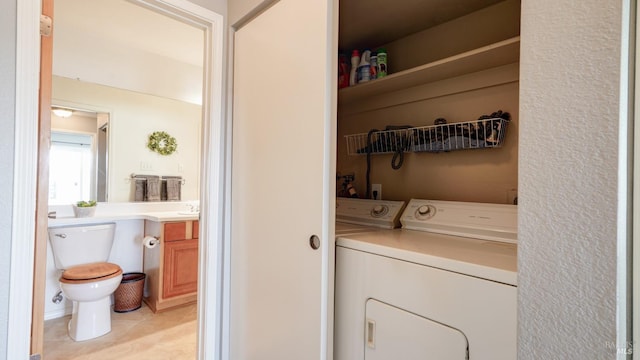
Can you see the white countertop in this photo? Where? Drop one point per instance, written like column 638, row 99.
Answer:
column 107, row 212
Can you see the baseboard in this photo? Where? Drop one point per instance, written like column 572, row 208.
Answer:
column 58, row 313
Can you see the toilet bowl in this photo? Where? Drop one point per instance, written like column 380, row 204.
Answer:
column 90, row 287
column 87, row 279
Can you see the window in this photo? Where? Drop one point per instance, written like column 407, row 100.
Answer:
column 70, row 167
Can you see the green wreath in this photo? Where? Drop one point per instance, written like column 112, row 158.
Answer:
column 162, row 143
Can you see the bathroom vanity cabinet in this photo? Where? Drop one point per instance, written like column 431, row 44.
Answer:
column 171, row 266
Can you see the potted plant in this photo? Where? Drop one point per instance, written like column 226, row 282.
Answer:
column 85, row 208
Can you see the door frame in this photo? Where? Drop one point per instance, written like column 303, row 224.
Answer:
column 24, row 179
column 212, row 173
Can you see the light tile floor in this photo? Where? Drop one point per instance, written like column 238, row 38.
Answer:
column 139, row 334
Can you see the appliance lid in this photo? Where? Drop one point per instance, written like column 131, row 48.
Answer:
column 490, row 260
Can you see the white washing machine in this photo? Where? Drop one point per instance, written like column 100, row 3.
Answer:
column 442, row 287
column 354, row 216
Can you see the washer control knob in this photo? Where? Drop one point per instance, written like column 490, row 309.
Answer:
column 379, row 210
column 425, row 212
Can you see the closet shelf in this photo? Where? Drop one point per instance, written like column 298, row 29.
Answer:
column 477, row 134
column 490, row 56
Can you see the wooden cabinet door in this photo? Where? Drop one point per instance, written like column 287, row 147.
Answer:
column 282, row 183
column 180, row 274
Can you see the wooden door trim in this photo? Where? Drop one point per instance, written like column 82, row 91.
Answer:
column 42, row 188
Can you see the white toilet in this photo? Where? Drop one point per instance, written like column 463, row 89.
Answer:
column 87, row 279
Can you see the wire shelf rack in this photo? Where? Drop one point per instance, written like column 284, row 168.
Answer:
column 477, row 134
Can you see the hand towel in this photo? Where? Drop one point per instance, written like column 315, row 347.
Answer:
column 153, row 188
column 140, row 189
column 174, row 186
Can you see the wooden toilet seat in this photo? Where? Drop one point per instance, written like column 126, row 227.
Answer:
column 90, row 273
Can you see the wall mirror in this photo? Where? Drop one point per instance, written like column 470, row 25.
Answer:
column 123, row 72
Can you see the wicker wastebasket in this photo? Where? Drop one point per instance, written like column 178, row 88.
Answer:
column 128, row 295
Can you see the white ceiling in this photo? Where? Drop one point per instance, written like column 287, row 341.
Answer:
column 130, row 26
column 119, row 44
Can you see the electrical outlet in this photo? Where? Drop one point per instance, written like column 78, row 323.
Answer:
column 512, row 196
column 376, row 191
column 145, row 165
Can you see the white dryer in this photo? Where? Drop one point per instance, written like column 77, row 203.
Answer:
column 442, row 287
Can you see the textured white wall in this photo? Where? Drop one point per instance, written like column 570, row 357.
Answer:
column 569, row 95
column 7, row 142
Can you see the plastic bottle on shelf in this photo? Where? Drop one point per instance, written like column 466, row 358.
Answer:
column 351, row 191
column 374, row 66
column 364, row 69
column 355, row 61
column 382, row 62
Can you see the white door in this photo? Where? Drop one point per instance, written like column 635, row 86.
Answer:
column 283, row 176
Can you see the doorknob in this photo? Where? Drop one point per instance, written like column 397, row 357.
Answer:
column 314, row 242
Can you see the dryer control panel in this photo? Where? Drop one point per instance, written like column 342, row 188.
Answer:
column 496, row 222
column 379, row 213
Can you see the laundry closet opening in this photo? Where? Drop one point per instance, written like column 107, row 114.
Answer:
column 427, row 169
column 457, row 61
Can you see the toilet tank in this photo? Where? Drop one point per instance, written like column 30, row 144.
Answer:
column 81, row 244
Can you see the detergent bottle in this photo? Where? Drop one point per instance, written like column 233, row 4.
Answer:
column 355, row 61
column 374, row 66
column 382, row 62
column 364, row 69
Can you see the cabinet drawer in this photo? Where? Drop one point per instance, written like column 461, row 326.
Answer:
column 175, row 231
column 195, row 229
